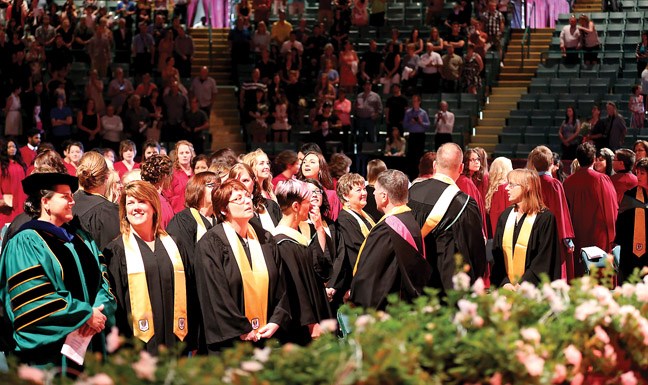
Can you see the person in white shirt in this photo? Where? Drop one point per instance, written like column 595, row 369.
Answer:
column 570, row 38
column 291, row 43
column 444, row 125
column 111, row 128
column 430, row 65
column 204, row 89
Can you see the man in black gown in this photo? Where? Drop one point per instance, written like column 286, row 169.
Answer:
column 450, row 220
column 392, row 259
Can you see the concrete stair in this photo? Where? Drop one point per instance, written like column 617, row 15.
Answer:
column 513, row 82
column 224, row 123
column 585, row 6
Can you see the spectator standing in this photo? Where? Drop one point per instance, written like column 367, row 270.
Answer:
column 456, row 39
column 136, row 120
column 348, row 67
column 292, row 43
column 123, row 42
column 637, row 107
column 642, row 53
column 119, row 89
column 13, row 116
column 195, row 123
column 438, row 45
column 395, row 108
column 430, row 65
column 280, row 31
column 452, row 64
column 45, row 34
column 143, row 50
column 125, row 10
column 239, row 43
column 175, row 105
column 416, row 122
column 494, row 21
column 183, row 53
column 261, row 38
column 409, row 69
column 570, row 40
column 377, row 15
column 99, row 49
column 590, row 42
column 180, row 9
column 371, row 63
column 368, row 109
column 94, row 90
column 569, row 134
column 471, row 70
column 615, row 127
column 391, row 67
column 342, row 109
column 444, row 125
column 204, row 88
column 89, row 124
column 165, row 51
column 61, row 116
column 111, row 128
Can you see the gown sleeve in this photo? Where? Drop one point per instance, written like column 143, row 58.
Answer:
column 105, row 295
column 41, row 310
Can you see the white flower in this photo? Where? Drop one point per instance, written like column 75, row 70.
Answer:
column 329, row 325
column 502, row 306
column 461, row 281
column 262, row 355
column 627, row 290
column 529, row 291
column 561, row 285
column 534, row 365
column 587, row 309
column 530, row 335
column 113, row 341
column 363, row 321
column 251, row 366
column 642, row 292
column 146, row 366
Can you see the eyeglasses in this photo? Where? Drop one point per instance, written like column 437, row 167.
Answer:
column 474, row 160
column 239, row 200
column 513, row 185
column 317, row 192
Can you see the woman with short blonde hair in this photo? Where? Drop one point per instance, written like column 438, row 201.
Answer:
column 497, row 195
column 525, row 245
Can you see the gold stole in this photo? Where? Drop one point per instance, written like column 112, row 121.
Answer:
column 395, row 210
column 201, row 229
column 441, row 206
column 515, row 257
column 256, row 280
column 143, row 325
column 266, row 220
column 363, row 227
column 639, row 236
column 293, row 234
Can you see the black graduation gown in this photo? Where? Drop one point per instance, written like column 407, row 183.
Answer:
column 350, row 235
column 455, row 233
column 307, row 297
column 159, row 280
column 543, row 254
column 183, row 226
column 273, row 209
column 324, row 260
column 98, row 216
column 371, row 208
column 220, row 288
column 628, row 262
column 389, row 264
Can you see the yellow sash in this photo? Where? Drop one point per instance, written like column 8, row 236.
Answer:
column 515, row 258
column 201, row 229
column 395, row 210
column 143, row 325
column 293, row 234
column 363, row 227
column 639, row 236
column 256, row 281
column 441, row 206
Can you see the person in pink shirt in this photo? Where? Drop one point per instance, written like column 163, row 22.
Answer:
column 289, row 161
column 182, row 171
column 342, row 109
column 127, row 153
column 158, row 170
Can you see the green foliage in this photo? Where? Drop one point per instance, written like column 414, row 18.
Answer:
column 550, row 334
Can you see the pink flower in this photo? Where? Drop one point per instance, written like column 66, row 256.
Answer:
column 531, row 335
column 534, row 365
column 478, row 321
column 573, row 356
column 101, row 379
column 586, row 309
column 560, row 374
column 627, row 290
column 363, row 321
column 496, row 379
column 329, row 325
column 578, row 379
column 642, row 292
column 461, row 281
column 31, row 374
column 601, row 335
column 479, row 287
column 113, row 342
column 628, row 378
column 146, row 366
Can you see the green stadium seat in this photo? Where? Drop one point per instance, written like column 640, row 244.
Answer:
column 633, row 17
column 538, row 85
column 504, row 149
column 547, row 102
column 615, row 30
column 599, row 86
column 559, row 86
column 547, row 71
column 522, row 150
column 535, row 135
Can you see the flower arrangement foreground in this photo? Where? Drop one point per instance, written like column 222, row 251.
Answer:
column 553, row 334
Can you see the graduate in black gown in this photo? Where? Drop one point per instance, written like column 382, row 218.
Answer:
column 455, row 226
column 630, row 228
column 392, row 259
column 191, row 224
column 239, row 274
column 96, row 214
column 150, row 275
column 266, row 211
column 308, row 302
column 525, row 244
column 353, row 226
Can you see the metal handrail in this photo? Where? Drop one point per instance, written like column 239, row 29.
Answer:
column 526, row 37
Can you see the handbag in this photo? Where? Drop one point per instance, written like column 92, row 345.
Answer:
column 595, row 257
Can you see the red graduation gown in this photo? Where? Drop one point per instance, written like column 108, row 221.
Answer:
column 553, row 196
column 623, row 182
column 466, row 185
column 499, row 203
column 593, row 207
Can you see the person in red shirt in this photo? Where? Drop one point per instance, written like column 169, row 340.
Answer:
column 624, row 179
column 592, row 204
column 127, row 153
column 553, row 195
column 29, row 150
column 290, row 163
